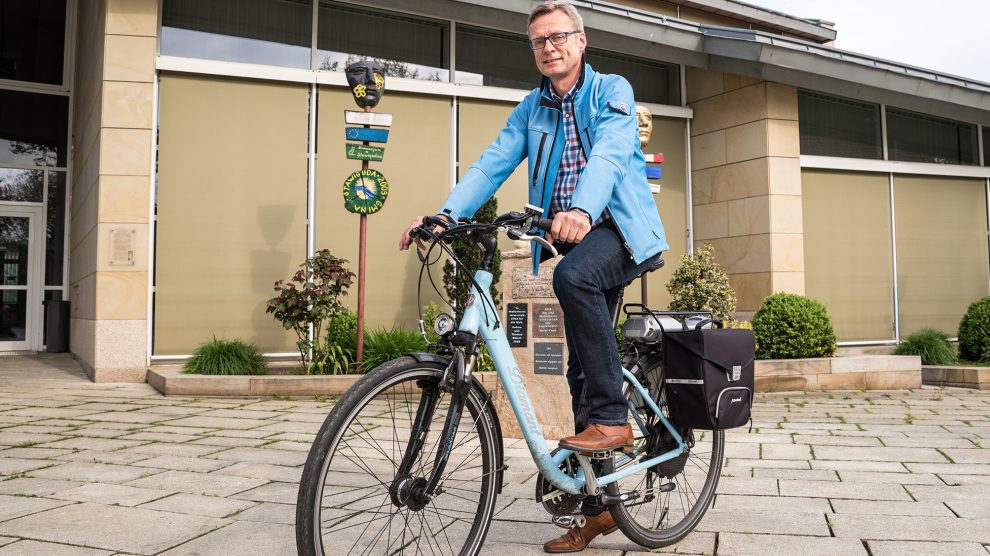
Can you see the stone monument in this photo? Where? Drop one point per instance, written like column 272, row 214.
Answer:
column 534, row 324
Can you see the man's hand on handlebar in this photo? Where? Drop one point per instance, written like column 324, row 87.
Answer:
column 407, row 238
column 569, row 227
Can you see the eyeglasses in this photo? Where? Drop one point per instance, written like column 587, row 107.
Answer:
column 555, row 39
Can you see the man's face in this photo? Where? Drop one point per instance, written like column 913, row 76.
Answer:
column 557, row 61
column 367, row 82
column 644, row 121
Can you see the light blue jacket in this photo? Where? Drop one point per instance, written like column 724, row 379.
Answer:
column 613, row 180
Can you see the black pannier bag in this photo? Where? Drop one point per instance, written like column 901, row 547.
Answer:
column 708, row 377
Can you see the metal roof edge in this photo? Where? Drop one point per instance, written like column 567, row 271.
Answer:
column 701, row 45
column 801, row 25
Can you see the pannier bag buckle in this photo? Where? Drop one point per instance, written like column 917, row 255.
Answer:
column 736, row 372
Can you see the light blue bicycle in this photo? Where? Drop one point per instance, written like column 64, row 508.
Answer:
column 400, row 467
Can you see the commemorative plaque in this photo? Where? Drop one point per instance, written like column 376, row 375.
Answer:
column 548, row 320
column 548, row 358
column 517, row 317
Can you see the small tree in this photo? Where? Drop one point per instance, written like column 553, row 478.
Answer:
column 312, row 297
column 700, row 284
column 458, row 285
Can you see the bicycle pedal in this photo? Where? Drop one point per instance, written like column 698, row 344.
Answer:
column 568, row 521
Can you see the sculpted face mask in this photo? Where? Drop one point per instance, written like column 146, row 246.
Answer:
column 367, row 81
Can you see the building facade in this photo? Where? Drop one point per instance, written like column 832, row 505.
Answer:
column 163, row 163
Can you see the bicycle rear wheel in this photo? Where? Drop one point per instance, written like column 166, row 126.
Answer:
column 673, row 495
column 351, row 500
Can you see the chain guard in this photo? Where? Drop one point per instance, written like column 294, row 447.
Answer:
column 555, row 501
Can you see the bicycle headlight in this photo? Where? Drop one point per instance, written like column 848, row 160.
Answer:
column 444, row 324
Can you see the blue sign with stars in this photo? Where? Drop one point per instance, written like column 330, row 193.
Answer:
column 366, row 134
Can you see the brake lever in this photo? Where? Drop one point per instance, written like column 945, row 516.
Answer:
column 546, row 244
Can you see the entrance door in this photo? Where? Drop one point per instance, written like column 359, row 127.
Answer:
column 20, row 271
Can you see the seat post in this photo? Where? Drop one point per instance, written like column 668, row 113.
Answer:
column 617, row 304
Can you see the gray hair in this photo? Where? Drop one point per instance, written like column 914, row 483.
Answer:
column 550, row 7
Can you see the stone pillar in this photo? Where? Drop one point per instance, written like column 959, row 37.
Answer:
column 746, row 181
column 110, row 187
column 549, row 392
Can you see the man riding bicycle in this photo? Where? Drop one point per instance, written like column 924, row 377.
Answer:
column 587, row 172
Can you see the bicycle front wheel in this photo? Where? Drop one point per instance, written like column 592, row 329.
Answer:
column 354, row 500
column 673, row 495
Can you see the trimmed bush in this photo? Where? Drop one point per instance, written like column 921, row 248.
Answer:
column 382, row 346
column 226, row 357
column 700, row 284
column 789, row 326
column 974, row 332
column 932, row 345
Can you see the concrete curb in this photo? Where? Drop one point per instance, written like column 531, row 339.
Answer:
column 171, row 382
column 961, row 377
column 860, row 372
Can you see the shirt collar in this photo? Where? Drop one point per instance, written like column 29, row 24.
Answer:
column 567, row 96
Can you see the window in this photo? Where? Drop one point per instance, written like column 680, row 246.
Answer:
column 915, row 137
column 271, row 32
column 495, row 59
column 941, row 249
column 652, row 81
column 33, row 129
column 32, row 40
column 406, row 46
column 847, row 260
column 55, row 229
column 836, row 126
column 986, row 146
column 231, row 203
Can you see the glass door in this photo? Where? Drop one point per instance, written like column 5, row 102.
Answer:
column 19, row 271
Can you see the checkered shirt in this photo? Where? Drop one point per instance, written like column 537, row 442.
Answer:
column 573, row 161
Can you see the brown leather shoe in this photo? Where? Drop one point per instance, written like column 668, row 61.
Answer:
column 598, row 438
column 577, row 538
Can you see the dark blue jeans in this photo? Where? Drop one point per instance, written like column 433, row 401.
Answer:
column 586, row 282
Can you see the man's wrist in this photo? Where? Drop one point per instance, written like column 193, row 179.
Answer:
column 583, row 212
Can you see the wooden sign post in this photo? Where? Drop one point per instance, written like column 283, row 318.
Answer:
column 365, row 191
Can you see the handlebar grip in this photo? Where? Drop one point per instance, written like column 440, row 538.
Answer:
column 542, row 223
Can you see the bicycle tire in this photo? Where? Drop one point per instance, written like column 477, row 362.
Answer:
column 656, row 519
column 344, row 503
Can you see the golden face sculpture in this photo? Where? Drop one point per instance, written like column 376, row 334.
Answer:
column 644, row 121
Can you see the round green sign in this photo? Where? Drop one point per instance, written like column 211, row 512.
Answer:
column 365, row 191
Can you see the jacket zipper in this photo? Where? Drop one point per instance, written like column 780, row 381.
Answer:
column 624, row 242
column 546, row 170
column 539, row 157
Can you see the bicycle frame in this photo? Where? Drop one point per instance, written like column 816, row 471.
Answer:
column 478, row 319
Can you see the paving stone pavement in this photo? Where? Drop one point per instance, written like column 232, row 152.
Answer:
column 115, row 469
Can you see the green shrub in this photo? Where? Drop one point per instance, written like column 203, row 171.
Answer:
column 932, row 345
column 974, row 332
column 342, row 332
column 700, row 284
column 226, row 357
column 789, row 326
column 381, row 346
column 333, row 360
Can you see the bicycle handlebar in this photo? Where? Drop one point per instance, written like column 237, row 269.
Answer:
column 516, row 225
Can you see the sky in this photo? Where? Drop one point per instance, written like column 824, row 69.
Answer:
column 947, row 35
